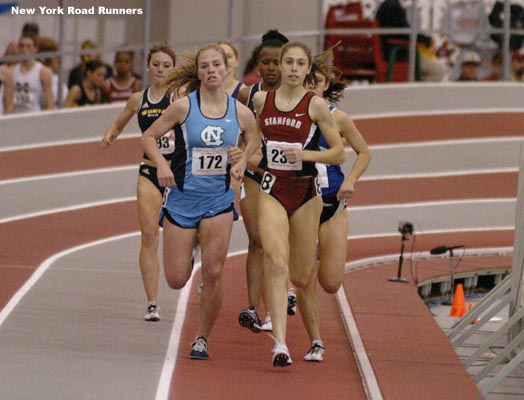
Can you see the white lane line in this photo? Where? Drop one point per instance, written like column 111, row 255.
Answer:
column 34, row 178
column 459, row 111
column 64, row 142
column 42, row 268
column 168, row 368
column 65, row 209
column 365, row 369
column 440, row 174
column 448, row 142
column 389, row 206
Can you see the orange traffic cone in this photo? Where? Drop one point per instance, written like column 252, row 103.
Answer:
column 473, row 321
column 458, row 308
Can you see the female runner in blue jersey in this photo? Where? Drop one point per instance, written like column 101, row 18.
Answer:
column 207, row 125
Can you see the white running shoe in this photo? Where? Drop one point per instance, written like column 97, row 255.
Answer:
column 281, row 356
column 153, row 312
column 316, row 352
column 267, row 326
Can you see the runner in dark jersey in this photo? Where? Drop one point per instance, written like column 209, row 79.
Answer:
column 267, row 64
column 336, row 190
column 149, row 105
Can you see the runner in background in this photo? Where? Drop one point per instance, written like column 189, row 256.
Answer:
column 336, row 190
column 148, row 105
column 267, row 59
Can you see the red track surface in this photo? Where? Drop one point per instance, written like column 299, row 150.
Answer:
column 240, row 366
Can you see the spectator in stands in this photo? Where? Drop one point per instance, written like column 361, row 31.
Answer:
column 470, row 67
column 251, row 75
column 78, row 72
column 28, row 87
column 6, row 70
column 11, row 50
column 433, row 70
column 92, row 89
column 517, row 66
column 31, row 29
column 46, row 44
column 391, row 14
column 497, row 71
column 496, row 20
column 124, row 83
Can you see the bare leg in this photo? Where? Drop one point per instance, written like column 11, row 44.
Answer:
column 255, row 254
column 274, row 230
column 149, row 201
column 333, row 236
column 215, row 234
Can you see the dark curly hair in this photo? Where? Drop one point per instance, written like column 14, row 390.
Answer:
column 273, row 39
column 336, row 83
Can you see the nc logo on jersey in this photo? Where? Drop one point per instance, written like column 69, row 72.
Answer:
column 212, row 135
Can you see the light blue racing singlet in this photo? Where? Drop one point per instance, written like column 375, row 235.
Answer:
column 200, row 163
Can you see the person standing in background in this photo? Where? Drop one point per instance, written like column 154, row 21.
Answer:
column 78, row 72
column 124, row 83
column 44, row 45
column 470, row 67
column 29, row 87
column 6, row 70
column 92, row 89
column 517, row 66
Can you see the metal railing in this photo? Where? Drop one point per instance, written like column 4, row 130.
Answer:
column 318, row 35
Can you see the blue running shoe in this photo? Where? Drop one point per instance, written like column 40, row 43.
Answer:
column 199, row 349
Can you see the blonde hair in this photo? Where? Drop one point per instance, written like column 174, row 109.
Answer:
column 185, row 77
column 231, row 46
